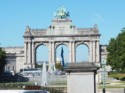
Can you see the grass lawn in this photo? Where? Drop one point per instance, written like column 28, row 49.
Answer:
column 14, row 85
column 118, row 84
column 117, row 75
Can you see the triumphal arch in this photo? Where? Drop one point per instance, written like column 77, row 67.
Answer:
column 61, row 31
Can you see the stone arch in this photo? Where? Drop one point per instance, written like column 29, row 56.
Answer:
column 82, row 49
column 65, row 53
column 62, row 32
column 61, row 43
column 41, row 49
column 39, row 44
column 79, row 43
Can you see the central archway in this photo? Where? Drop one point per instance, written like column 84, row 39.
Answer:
column 65, row 53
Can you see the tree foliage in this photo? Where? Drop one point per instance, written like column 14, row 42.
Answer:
column 2, row 60
column 116, row 49
column 58, row 66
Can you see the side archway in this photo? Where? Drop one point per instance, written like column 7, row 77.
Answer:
column 82, row 53
column 41, row 54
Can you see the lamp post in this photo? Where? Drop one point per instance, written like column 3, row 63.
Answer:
column 103, row 66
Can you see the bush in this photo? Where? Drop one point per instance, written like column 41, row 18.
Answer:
column 58, row 66
column 117, row 75
column 53, row 90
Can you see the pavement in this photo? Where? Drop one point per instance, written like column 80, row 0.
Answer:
column 23, row 91
column 113, row 82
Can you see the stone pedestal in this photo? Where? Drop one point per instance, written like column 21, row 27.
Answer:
column 81, row 77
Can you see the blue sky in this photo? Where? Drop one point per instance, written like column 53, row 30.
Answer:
column 15, row 15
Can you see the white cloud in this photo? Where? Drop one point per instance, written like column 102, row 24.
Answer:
column 97, row 18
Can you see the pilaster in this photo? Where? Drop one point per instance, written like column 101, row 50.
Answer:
column 90, row 51
column 29, row 53
column 70, row 52
column 94, row 52
column 73, row 52
column 33, row 51
column 53, row 52
column 97, row 51
column 25, row 52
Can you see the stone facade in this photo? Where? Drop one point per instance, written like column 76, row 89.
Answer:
column 14, row 58
column 61, row 31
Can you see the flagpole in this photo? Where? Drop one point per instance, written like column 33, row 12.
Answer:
column 63, row 64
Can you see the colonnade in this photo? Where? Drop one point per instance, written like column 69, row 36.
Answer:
column 94, row 51
column 30, row 52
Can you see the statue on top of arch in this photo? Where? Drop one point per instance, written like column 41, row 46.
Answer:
column 61, row 13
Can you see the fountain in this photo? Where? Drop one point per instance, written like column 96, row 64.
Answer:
column 44, row 75
column 51, row 73
column 49, row 78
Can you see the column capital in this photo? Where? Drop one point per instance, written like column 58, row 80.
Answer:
column 28, row 41
column 94, row 40
column 25, row 42
column 71, row 41
column 33, row 42
column 51, row 41
column 97, row 40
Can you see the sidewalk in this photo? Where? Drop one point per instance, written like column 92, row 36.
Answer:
column 112, row 86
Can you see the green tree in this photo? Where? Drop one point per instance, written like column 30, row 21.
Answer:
column 58, row 66
column 38, row 66
column 2, row 60
column 116, row 52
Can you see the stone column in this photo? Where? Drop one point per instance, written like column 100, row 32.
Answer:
column 94, row 51
column 73, row 52
column 53, row 52
column 25, row 52
column 50, row 52
column 97, row 52
column 33, row 51
column 70, row 52
column 90, row 51
column 29, row 53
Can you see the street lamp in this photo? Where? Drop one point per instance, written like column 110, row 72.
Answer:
column 103, row 66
